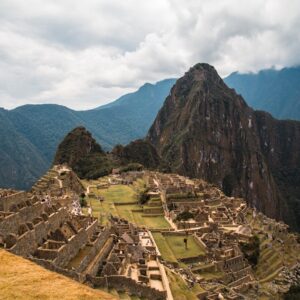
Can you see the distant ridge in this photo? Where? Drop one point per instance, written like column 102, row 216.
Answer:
column 274, row 91
column 30, row 134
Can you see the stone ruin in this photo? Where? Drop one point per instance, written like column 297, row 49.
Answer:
column 120, row 256
column 58, row 181
column 218, row 224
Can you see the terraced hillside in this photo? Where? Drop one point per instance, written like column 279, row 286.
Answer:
column 122, row 201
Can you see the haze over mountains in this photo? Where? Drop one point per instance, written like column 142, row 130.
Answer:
column 30, row 134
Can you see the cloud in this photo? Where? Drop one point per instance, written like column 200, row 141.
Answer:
column 86, row 53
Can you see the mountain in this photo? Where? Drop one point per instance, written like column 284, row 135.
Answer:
column 206, row 130
column 138, row 151
column 83, row 154
column 140, row 108
column 31, row 133
column 274, row 91
column 20, row 161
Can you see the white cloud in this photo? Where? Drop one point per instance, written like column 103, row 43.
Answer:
column 85, row 53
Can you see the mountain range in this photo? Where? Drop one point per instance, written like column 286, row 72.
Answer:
column 30, row 134
column 274, row 91
column 206, row 130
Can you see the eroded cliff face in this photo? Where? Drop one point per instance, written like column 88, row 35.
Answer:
column 206, row 130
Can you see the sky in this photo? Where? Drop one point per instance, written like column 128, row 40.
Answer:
column 83, row 54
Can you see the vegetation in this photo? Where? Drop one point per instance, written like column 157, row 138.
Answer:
column 251, row 250
column 179, row 289
column 184, row 216
column 22, row 279
column 83, row 154
column 141, row 190
column 30, row 134
column 293, row 293
column 131, row 167
column 172, row 247
column 164, row 248
column 139, row 151
column 127, row 197
column 177, row 245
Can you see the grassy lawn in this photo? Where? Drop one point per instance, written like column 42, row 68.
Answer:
column 117, row 193
column 166, row 252
column 158, row 222
column 178, row 248
column 211, row 275
column 172, row 248
column 179, row 289
column 122, row 194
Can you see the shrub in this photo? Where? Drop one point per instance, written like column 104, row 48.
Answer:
column 251, row 250
column 184, row 216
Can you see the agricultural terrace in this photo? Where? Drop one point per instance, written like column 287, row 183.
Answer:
column 122, row 201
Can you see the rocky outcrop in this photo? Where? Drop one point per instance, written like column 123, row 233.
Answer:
column 80, row 151
column 206, row 130
column 138, row 151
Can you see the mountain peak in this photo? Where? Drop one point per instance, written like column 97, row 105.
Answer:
column 202, row 72
column 206, row 130
column 77, row 144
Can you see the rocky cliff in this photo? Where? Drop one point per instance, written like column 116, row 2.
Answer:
column 206, row 130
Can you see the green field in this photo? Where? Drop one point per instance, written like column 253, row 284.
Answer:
column 132, row 211
column 117, row 193
column 180, row 290
column 172, row 247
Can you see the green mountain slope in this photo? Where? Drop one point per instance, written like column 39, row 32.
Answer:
column 42, row 127
column 277, row 92
column 21, row 162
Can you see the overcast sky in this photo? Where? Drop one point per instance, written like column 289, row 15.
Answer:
column 85, row 53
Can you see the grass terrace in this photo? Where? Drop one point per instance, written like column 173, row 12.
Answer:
column 180, row 290
column 172, row 247
column 122, row 201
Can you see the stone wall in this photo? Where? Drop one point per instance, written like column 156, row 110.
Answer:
column 122, row 283
column 28, row 242
column 8, row 201
column 97, row 247
column 69, row 250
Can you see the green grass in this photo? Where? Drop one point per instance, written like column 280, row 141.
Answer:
column 166, row 253
column 122, row 194
column 177, row 246
column 157, row 222
column 211, row 275
column 117, row 193
column 179, row 289
column 172, row 248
